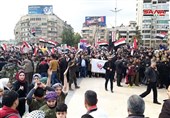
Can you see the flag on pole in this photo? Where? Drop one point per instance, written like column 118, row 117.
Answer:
column 4, row 47
column 25, row 48
column 52, row 50
column 35, row 51
column 42, row 40
column 120, row 42
column 161, row 35
column 52, row 42
column 33, row 31
column 135, row 46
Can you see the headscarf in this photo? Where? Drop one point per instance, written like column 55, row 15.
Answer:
column 17, row 76
column 3, row 83
column 35, row 114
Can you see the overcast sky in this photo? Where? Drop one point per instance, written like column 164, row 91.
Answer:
column 72, row 11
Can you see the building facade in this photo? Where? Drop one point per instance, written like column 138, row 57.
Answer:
column 34, row 26
column 94, row 29
column 122, row 31
column 152, row 18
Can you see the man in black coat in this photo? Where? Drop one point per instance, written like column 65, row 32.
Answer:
column 109, row 66
column 119, row 71
column 166, row 107
column 151, row 76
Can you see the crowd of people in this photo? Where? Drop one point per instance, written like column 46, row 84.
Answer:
column 43, row 81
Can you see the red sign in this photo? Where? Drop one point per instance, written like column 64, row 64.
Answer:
column 153, row 12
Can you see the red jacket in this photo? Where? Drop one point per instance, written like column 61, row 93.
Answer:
column 5, row 111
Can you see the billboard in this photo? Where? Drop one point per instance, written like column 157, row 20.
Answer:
column 40, row 9
column 151, row 12
column 95, row 20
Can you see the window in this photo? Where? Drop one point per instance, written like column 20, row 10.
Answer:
column 146, row 21
column 44, row 23
column 162, row 21
column 147, row 36
column 38, row 19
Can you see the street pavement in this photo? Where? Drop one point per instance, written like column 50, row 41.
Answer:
column 114, row 104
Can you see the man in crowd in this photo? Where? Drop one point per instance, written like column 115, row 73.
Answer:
column 91, row 105
column 54, row 66
column 166, row 107
column 135, row 107
column 110, row 72
column 151, row 76
column 10, row 101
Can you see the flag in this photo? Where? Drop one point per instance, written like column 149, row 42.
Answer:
column 52, row 50
column 120, row 42
column 135, row 46
column 42, row 40
column 4, row 47
column 25, row 48
column 35, row 51
column 100, row 43
column 113, row 36
column 33, row 31
column 52, row 42
column 161, row 35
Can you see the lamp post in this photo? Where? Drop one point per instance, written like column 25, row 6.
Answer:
column 115, row 11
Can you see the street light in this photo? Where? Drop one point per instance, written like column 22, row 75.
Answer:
column 115, row 11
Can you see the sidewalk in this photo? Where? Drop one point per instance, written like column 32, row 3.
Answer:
column 114, row 104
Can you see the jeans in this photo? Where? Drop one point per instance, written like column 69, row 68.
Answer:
column 54, row 78
column 44, row 74
column 83, row 72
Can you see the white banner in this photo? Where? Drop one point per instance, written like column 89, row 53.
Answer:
column 97, row 66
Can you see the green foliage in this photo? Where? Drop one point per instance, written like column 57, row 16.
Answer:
column 70, row 38
column 67, row 37
column 76, row 38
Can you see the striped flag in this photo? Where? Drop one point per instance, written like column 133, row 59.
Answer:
column 52, row 42
column 52, row 50
column 26, row 47
column 42, row 40
column 161, row 35
column 4, row 47
column 135, row 46
column 121, row 41
column 35, row 51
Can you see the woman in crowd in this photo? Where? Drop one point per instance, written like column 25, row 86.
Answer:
column 21, row 87
column 61, row 91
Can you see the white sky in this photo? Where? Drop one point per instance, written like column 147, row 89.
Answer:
column 72, row 11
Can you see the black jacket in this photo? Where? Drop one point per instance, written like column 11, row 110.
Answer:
column 165, row 109
column 151, row 75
